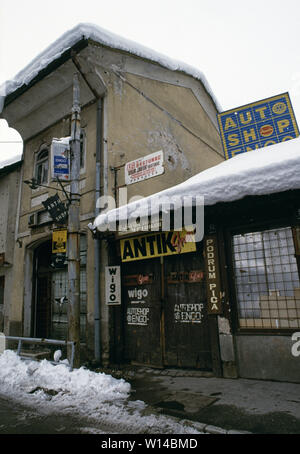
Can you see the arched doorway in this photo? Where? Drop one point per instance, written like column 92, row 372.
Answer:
column 50, row 294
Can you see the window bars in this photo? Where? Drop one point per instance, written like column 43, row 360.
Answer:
column 266, row 279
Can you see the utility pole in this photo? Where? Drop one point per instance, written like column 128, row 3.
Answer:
column 74, row 226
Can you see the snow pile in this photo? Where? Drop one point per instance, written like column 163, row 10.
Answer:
column 102, row 36
column 82, row 383
column 265, row 171
column 99, row 397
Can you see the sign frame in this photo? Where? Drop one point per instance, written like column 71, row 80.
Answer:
column 60, row 159
column 157, row 243
column 141, row 169
column 59, row 241
column 213, row 281
column 113, row 285
column 257, row 125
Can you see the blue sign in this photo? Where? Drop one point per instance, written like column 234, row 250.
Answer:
column 61, row 165
column 257, row 125
column 60, row 158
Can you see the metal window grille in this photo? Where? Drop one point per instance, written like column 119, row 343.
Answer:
column 266, row 279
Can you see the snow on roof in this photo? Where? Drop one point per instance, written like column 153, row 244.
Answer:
column 264, row 171
column 102, row 36
column 10, row 161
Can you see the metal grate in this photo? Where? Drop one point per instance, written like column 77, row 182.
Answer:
column 266, row 279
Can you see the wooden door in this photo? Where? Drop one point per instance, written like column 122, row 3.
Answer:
column 142, row 311
column 186, row 324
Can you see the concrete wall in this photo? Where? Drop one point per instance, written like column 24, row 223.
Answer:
column 9, row 190
column 149, row 108
column 267, row 357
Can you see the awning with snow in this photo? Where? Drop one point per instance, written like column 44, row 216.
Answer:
column 259, row 172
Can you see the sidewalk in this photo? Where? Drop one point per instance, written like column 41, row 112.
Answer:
column 218, row 404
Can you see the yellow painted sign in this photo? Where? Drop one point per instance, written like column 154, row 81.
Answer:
column 59, row 241
column 157, row 244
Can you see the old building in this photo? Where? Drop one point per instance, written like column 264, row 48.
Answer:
column 10, row 177
column 231, row 305
column 134, row 103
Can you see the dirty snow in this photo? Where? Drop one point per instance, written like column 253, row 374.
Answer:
column 102, row 36
column 99, row 397
column 264, row 171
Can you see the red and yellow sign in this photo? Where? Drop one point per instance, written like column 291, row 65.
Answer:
column 157, row 244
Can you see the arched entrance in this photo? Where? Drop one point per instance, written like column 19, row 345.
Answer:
column 50, row 294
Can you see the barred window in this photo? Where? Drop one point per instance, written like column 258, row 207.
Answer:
column 266, row 279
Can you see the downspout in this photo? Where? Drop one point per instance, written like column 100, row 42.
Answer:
column 99, row 134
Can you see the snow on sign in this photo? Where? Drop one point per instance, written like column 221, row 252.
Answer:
column 113, row 285
column 60, row 158
column 147, row 167
column 257, row 125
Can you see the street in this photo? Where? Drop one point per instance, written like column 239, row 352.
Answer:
column 40, row 398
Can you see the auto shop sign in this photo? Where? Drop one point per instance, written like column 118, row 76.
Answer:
column 257, row 125
column 143, row 168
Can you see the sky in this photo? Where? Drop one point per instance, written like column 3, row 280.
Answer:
column 247, row 50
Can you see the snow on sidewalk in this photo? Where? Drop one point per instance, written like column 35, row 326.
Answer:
column 97, row 396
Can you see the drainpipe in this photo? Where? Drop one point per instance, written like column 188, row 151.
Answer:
column 97, row 335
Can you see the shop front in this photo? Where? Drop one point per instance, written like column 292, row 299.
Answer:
column 165, row 308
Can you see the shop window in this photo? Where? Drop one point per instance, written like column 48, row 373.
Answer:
column 266, row 279
column 41, row 167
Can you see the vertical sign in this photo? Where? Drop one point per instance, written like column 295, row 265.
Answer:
column 59, row 241
column 213, row 288
column 113, row 285
column 60, row 149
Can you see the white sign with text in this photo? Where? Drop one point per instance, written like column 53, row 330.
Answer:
column 143, row 168
column 113, row 285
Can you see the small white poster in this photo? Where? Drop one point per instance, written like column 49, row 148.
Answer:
column 143, row 168
column 113, row 285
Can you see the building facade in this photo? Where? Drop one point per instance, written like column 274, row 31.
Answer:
column 228, row 304
column 133, row 105
column 10, row 179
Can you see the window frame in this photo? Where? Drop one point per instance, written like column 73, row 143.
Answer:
column 82, row 151
column 243, row 229
column 40, row 161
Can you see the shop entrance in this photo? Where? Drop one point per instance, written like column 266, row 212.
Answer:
column 50, row 294
column 166, row 321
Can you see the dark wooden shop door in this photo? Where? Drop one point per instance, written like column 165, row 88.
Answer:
column 142, row 298
column 166, row 321
column 186, row 324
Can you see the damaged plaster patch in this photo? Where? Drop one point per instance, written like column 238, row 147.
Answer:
column 173, row 154
column 223, row 324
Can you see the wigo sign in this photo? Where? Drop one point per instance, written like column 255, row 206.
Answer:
column 257, row 125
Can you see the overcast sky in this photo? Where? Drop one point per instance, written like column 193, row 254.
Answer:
column 247, row 49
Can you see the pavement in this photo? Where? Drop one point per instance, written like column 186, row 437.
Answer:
column 217, row 405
